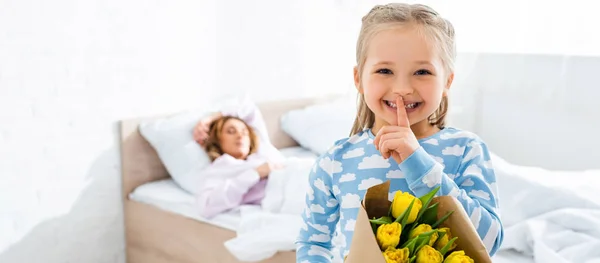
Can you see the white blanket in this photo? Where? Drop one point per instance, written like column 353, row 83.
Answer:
column 549, row 216
column 261, row 234
column 286, row 188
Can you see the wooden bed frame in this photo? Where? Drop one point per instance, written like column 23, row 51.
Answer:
column 154, row 235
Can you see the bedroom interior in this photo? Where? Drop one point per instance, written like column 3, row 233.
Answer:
column 90, row 92
column 527, row 170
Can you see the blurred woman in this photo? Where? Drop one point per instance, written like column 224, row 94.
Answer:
column 242, row 159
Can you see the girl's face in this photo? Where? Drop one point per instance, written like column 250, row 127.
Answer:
column 401, row 62
column 235, row 139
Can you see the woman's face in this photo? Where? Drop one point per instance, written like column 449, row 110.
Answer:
column 235, row 139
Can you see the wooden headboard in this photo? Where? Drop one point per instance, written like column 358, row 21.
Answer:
column 140, row 163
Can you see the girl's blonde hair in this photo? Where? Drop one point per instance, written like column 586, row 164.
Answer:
column 438, row 30
column 213, row 145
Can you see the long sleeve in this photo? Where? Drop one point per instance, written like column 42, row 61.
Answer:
column 320, row 216
column 474, row 186
column 220, row 193
column 250, row 113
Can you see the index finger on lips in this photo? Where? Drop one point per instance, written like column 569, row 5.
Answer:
column 401, row 113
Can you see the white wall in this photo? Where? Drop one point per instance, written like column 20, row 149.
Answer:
column 282, row 49
column 70, row 70
column 514, row 26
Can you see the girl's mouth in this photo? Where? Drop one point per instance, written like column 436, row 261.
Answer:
column 410, row 107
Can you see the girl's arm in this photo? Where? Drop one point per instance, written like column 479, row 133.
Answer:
column 220, row 191
column 474, row 186
column 320, row 216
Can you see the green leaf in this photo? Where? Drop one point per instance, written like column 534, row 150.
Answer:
column 401, row 219
column 419, row 241
column 425, row 201
column 412, row 259
column 423, row 239
column 428, row 233
column 410, row 245
column 441, row 234
column 390, row 209
column 445, row 249
column 422, row 242
column 407, row 212
column 407, row 243
column 382, row 220
column 374, row 226
column 441, row 220
column 405, row 232
column 430, row 215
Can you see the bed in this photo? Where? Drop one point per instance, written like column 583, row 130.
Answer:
column 163, row 231
column 160, row 222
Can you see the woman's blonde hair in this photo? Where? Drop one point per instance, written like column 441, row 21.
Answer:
column 213, row 145
column 438, row 30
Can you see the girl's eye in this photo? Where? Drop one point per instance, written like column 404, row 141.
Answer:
column 384, row 71
column 423, row 72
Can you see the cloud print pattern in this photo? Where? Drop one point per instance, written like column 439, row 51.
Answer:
column 457, row 160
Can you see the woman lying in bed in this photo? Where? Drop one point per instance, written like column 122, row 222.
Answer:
column 242, row 157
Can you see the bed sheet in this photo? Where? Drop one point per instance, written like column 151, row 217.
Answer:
column 511, row 256
column 167, row 195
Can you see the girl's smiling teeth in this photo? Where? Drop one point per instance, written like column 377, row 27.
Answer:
column 407, row 106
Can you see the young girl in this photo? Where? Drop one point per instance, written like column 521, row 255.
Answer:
column 242, row 157
column 404, row 70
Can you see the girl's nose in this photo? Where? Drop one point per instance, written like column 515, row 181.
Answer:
column 402, row 87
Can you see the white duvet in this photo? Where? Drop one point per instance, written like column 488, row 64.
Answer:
column 263, row 233
column 548, row 216
column 551, row 216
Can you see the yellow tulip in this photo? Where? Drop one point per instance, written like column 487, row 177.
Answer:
column 393, row 255
column 402, row 201
column 423, row 228
column 458, row 257
column 441, row 242
column 388, row 235
column 428, row 254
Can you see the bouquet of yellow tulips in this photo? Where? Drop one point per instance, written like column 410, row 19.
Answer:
column 412, row 229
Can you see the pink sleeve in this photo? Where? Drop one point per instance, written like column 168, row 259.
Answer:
column 250, row 113
column 218, row 195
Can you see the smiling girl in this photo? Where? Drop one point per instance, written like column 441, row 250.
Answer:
column 404, row 70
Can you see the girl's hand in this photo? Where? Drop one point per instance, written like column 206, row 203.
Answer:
column 397, row 141
column 201, row 129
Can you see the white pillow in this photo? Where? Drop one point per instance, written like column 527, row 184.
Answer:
column 173, row 141
column 318, row 126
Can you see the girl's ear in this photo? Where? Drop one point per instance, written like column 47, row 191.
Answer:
column 357, row 80
column 448, row 83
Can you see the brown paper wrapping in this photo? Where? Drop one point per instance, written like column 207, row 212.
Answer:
column 364, row 247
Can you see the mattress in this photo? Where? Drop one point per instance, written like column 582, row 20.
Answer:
column 167, row 195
